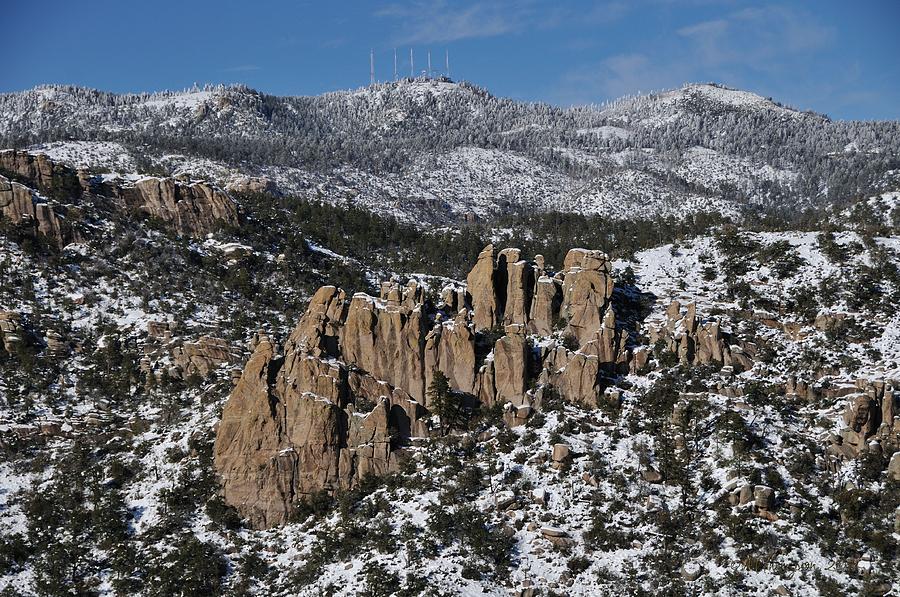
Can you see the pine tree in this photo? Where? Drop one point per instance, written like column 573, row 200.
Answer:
column 444, row 402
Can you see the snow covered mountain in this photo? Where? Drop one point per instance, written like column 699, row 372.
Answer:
column 223, row 315
column 435, row 151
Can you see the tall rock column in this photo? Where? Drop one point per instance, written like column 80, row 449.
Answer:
column 480, row 287
column 519, row 292
column 587, row 288
column 511, row 361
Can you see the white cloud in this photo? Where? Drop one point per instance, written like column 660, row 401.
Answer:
column 439, row 22
column 728, row 48
column 442, row 21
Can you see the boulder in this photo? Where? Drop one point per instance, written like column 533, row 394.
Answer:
column 12, row 334
column 763, row 497
column 561, row 453
column 893, row 469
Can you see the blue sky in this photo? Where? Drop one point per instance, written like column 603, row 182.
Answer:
column 836, row 57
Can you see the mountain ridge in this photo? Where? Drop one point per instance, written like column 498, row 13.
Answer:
column 702, row 147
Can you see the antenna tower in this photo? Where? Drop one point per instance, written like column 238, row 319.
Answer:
column 428, row 74
column 412, row 68
column 372, row 67
column 447, row 62
column 395, row 64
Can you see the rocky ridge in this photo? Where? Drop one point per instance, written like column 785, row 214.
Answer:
column 50, row 206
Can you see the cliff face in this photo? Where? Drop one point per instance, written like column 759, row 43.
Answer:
column 191, row 209
column 21, row 206
column 293, row 425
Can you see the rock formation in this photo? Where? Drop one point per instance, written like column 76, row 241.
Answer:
column 201, row 357
column 290, row 429
column 192, row 209
column 11, row 332
column 295, row 425
column 871, row 415
column 587, row 288
column 40, row 172
column 20, row 205
column 699, row 342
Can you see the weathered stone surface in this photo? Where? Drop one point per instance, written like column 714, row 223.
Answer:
column 450, row 348
column 519, row 292
column 298, row 424
column 318, row 331
column 578, row 380
column 20, row 205
column 204, row 355
column 545, row 305
column 893, row 469
column 651, row 475
column 691, row 571
column 285, row 432
column 252, row 184
column 587, row 287
column 561, row 453
column 11, row 331
column 763, row 497
column 698, row 342
column 56, row 343
column 480, row 287
column 38, row 171
column 511, row 368
column 863, row 416
column 193, row 209
column 387, row 342
column 553, row 532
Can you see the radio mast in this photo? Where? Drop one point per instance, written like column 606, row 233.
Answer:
column 447, row 62
column 428, row 73
column 372, row 66
column 395, row 64
column 412, row 68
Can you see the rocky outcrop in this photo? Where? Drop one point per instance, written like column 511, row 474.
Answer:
column 352, row 385
column 39, row 172
column 504, row 289
column 510, row 364
column 291, row 428
column 450, row 348
column 192, row 209
column 12, row 334
column 700, row 342
column 481, row 290
column 21, row 205
column 200, row 358
column 587, row 288
column 871, row 415
column 387, row 341
column 545, row 306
